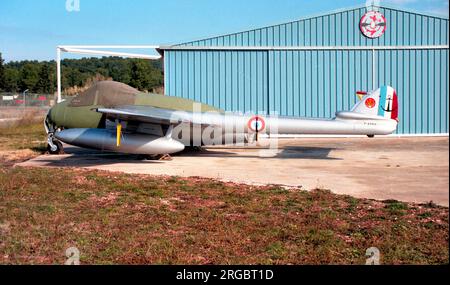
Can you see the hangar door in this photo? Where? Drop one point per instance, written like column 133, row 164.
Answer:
column 230, row 80
column 287, row 83
column 420, row 77
column 318, row 82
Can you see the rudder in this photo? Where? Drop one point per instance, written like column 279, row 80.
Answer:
column 382, row 102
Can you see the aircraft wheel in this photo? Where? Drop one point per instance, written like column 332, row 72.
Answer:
column 371, row 136
column 55, row 148
column 160, row 157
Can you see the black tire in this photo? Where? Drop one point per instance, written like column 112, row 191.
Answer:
column 371, row 136
column 59, row 148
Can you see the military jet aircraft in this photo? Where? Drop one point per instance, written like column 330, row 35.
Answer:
column 112, row 116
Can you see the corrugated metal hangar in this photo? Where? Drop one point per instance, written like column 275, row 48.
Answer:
column 314, row 66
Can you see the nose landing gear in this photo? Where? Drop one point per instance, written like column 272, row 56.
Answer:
column 54, row 146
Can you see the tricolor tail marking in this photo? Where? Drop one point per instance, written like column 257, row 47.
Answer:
column 382, row 102
column 388, row 104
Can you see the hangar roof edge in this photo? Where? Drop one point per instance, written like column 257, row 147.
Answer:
column 333, row 12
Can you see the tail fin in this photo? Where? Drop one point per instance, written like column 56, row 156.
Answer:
column 382, row 102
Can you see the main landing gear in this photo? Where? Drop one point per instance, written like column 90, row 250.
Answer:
column 160, row 157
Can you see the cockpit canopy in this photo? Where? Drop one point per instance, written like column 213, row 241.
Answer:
column 106, row 93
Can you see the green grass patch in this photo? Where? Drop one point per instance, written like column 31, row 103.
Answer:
column 395, row 207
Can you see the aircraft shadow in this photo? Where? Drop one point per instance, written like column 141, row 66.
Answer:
column 81, row 157
column 288, row 152
column 85, row 157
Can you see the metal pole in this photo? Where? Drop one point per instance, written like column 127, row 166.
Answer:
column 58, row 73
column 24, row 100
column 373, row 69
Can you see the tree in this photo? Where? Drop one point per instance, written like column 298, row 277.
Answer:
column 140, row 73
column 2, row 74
column 29, row 76
column 44, row 84
column 144, row 76
column 156, row 78
column 74, row 77
column 41, row 76
column 119, row 69
column 12, row 77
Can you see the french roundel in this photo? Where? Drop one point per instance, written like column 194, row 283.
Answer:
column 373, row 24
column 370, row 103
column 256, row 124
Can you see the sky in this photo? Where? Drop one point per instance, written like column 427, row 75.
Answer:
column 31, row 29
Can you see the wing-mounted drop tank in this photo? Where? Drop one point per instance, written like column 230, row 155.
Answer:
column 106, row 140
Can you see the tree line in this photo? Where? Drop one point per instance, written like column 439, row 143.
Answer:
column 40, row 76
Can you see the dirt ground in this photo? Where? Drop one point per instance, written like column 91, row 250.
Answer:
column 406, row 169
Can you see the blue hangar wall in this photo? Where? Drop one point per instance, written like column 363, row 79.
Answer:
column 314, row 66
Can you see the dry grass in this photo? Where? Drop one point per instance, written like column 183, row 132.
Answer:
column 136, row 219
column 22, row 139
column 26, row 115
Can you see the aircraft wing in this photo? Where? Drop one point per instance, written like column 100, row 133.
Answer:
column 147, row 114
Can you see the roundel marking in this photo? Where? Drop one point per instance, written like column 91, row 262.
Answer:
column 370, row 103
column 373, row 24
column 256, row 124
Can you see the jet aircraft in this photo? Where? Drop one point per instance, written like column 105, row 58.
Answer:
column 112, row 116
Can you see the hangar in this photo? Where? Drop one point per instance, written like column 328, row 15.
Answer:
column 315, row 65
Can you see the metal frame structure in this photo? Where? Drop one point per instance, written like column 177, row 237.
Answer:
column 289, row 48
column 93, row 50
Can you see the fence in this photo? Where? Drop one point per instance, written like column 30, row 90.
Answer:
column 26, row 100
